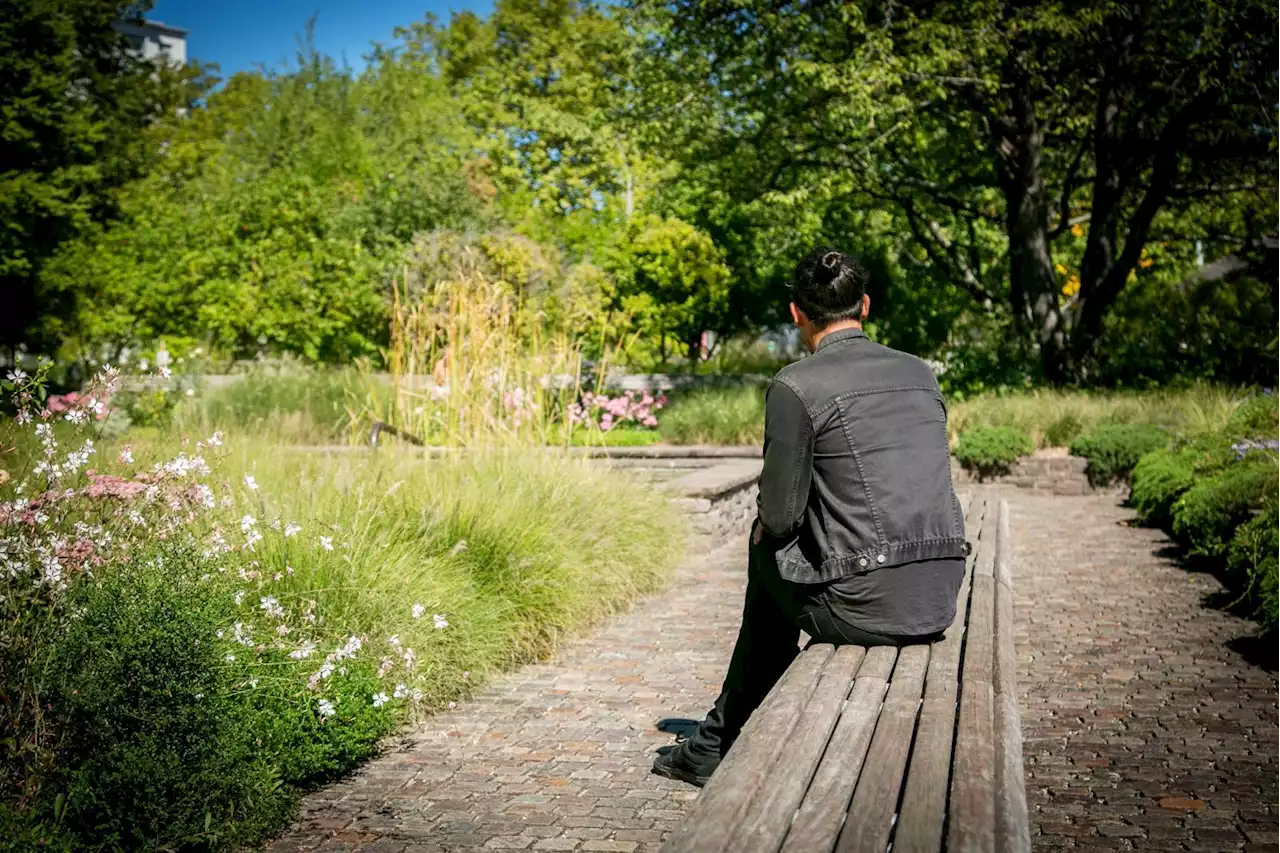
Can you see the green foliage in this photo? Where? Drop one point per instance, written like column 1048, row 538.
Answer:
column 27, row 832
column 1256, row 417
column 1063, row 431
column 1252, row 563
column 725, row 416
column 992, row 450
column 1207, row 515
column 1114, row 449
column 155, row 752
column 1158, row 480
column 75, row 105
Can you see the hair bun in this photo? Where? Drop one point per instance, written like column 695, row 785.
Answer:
column 832, row 261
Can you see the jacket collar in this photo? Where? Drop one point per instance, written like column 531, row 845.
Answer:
column 836, row 337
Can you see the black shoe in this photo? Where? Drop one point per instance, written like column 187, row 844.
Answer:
column 676, row 762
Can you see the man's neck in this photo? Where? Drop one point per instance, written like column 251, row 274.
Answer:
column 837, row 326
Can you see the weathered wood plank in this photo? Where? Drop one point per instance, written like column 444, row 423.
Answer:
column 971, row 813
column 769, row 816
column 979, row 632
column 923, row 812
column 875, row 798
column 944, row 662
column 818, row 821
column 1013, row 830
column 721, row 805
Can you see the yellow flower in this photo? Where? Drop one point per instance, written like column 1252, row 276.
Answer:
column 1077, row 230
column 1072, row 287
column 1145, row 262
column 1060, row 268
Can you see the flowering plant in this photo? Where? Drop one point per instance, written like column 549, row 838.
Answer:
column 635, row 408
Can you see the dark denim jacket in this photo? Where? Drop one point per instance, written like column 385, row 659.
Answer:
column 857, row 470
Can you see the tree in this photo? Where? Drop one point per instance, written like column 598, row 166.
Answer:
column 1032, row 149
column 73, row 101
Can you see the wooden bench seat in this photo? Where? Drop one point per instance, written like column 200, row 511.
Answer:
column 856, row 749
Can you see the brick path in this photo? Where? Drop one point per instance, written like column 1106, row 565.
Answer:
column 1143, row 730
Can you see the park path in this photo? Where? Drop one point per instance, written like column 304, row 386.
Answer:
column 1144, row 730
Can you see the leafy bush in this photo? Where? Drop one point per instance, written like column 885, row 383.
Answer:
column 1063, row 431
column 1159, row 479
column 155, row 749
column 1252, row 563
column 715, row 415
column 992, row 450
column 1205, row 518
column 1114, row 449
column 1256, row 417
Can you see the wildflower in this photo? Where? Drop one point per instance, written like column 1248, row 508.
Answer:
column 215, row 440
column 278, row 576
column 247, row 523
column 283, row 630
column 292, row 529
column 459, row 548
column 17, row 375
column 384, row 666
column 271, row 607
column 253, row 682
column 466, row 675
column 191, row 392
column 325, row 709
column 126, row 456
column 239, row 597
column 349, row 649
column 380, row 699
column 418, row 611
column 165, row 372
column 250, row 482
column 417, row 696
column 440, row 622
column 452, row 705
column 306, row 650
column 400, row 692
column 326, row 542
column 230, row 658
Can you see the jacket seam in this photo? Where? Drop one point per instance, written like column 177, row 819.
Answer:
column 862, row 475
column 866, row 392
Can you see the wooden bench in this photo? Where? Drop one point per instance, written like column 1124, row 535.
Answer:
column 856, row 749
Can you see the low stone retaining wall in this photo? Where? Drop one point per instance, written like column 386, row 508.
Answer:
column 1047, row 473
column 721, row 499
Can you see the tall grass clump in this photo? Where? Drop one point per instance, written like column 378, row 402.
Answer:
column 295, row 405
column 1054, row 418
column 724, row 416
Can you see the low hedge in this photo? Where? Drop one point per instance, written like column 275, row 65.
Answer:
column 1114, row 449
column 992, row 450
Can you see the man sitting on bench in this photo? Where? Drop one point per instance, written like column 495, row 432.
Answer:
column 859, row 537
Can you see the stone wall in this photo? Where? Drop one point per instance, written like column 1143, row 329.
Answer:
column 724, row 516
column 1053, row 474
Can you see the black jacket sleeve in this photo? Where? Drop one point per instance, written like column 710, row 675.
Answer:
column 788, row 462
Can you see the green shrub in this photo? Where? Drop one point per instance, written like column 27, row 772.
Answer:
column 992, row 450
column 1256, row 417
column 1063, row 431
column 1158, row 480
column 1114, row 449
column 1205, row 518
column 28, row 832
column 1252, row 563
column 155, row 750
column 724, row 416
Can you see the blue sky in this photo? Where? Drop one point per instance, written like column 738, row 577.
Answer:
column 238, row 34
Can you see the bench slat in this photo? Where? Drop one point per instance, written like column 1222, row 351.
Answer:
column 922, row 816
column 818, row 821
column 769, row 815
column 1013, row 830
column 720, row 807
column 876, row 795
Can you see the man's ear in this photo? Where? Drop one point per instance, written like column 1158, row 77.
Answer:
column 866, row 306
column 797, row 316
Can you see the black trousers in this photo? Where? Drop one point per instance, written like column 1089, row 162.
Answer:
column 775, row 612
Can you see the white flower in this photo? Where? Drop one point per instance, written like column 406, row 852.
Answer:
column 165, row 372
column 380, row 699
column 191, row 392
column 247, row 523
column 292, row 529
column 303, row 651
column 325, row 709
column 459, row 548
column 253, row 682
column 230, row 658
column 206, row 495
column 394, row 641
column 271, row 607
column 418, row 611
column 400, row 692
column 452, row 705
column 126, row 456
column 17, row 374
column 283, row 630
column 250, row 482
column 440, row 621
column 326, row 542
column 215, row 440
column 239, row 597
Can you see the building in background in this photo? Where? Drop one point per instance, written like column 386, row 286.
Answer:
column 154, row 40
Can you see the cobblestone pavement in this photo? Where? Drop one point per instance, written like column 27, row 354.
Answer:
column 555, row 756
column 1143, row 729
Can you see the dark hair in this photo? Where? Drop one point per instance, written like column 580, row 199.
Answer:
column 828, row 286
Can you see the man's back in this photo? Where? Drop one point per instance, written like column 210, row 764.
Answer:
column 863, row 428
